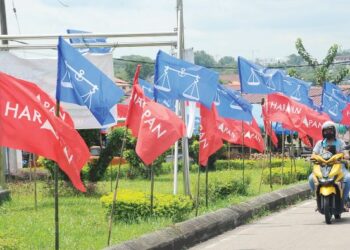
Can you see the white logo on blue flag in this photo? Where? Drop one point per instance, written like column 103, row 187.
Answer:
column 230, row 104
column 82, row 83
column 333, row 101
column 149, row 92
column 180, row 80
column 88, row 40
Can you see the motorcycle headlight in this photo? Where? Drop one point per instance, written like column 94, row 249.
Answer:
column 325, row 170
column 326, row 179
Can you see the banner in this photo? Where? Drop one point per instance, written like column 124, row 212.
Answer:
column 27, row 125
column 43, row 72
column 294, row 115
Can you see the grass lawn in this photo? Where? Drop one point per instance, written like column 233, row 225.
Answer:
column 83, row 223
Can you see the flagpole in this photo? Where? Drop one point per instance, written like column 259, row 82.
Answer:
column 206, row 186
column 265, row 144
column 243, row 154
column 116, row 188
column 176, row 153
column 198, row 184
column 152, row 188
column 180, row 49
column 282, row 156
column 57, row 232
column 31, row 162
column 270, row 143
column 3, row 24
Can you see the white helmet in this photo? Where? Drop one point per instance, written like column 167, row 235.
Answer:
column 328, row 130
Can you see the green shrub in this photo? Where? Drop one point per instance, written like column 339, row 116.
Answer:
column 112, row 171
column 223, row 186
column 138, row 169
column 289, row 175
column 235, row 164
column 98, row 168
column 135, row 206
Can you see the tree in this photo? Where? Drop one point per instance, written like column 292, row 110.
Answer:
column 322, row 71
column 203, row 59
column 227, row 61
column 125, row 67
column 294, row 59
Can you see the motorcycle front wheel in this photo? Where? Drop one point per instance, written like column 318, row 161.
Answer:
column 327, row 209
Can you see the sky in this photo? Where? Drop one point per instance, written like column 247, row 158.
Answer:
column 249, row 28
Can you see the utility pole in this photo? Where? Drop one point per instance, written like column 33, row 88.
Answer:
column 3, row 150
column 180, row 55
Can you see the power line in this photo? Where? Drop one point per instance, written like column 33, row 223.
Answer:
column 235, row 67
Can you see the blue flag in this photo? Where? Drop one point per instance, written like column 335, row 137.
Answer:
column 280, row 130
column 333, row 101
column 298, row 90
column 82, row 83
column 256, row 79
column 88, row 40
column 180, row 80
column 149, row 92
column 230, row 104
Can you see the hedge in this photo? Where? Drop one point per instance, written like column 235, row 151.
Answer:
column 135, row 205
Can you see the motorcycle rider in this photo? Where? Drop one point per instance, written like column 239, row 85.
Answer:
column 334, row 145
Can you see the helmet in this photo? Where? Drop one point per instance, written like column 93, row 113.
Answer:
column 328, row 130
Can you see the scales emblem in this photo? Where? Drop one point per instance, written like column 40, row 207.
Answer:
column 333, row 106
column 79, row 77
column 191, row 92
column 253, row 79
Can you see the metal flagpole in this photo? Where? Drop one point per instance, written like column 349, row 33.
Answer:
column 2, row 149
column 57, row 232
column 176, row 152
column 180, row 53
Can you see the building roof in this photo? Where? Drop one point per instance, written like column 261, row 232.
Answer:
column 315, row 92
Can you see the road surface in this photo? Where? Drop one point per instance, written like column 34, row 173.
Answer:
column 297, row 227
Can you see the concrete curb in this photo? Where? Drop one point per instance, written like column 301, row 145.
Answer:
column 188, row 233
column 4, row 195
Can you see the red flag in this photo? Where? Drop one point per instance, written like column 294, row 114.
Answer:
column 122, row 112
column 159, row 129
column 43, row 98
column 268, row 129
column 252, row 136
column 209, row 138
column 305, row 139
column 346, row 115
column 136, row 104
column 231, row 131
column 295, row 116
column 27, row 125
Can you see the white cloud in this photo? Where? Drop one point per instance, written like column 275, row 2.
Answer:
column 266, row 28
